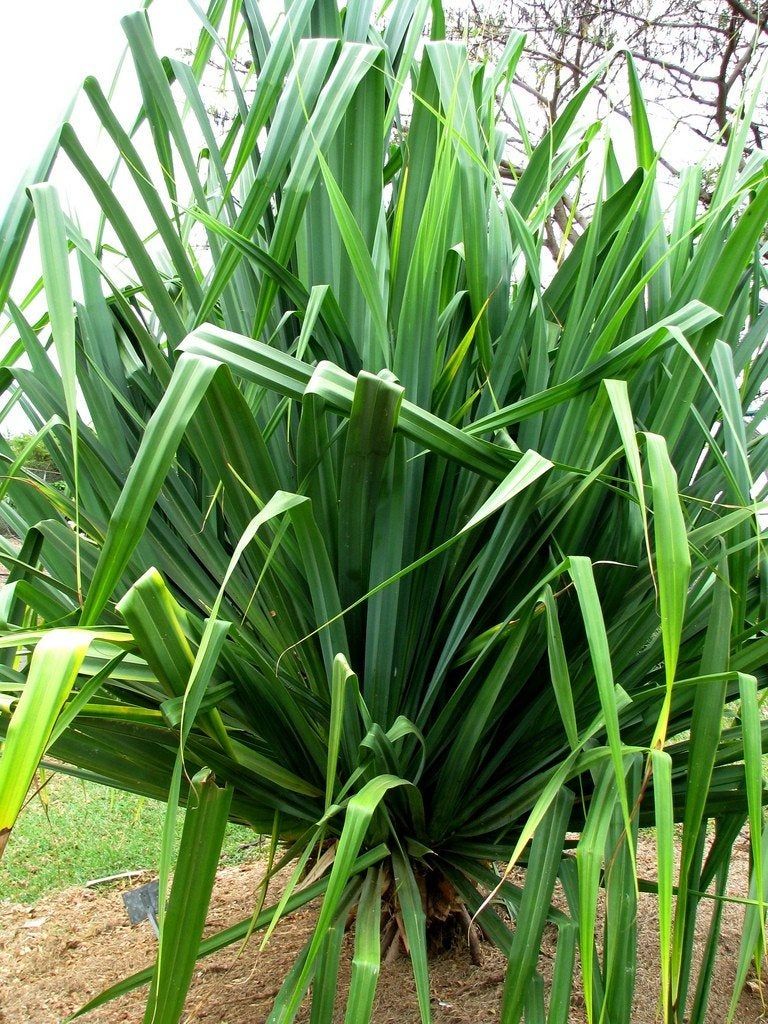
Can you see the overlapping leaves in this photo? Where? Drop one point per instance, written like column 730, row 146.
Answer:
column 381, row 537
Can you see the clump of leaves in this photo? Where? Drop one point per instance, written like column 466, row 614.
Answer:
column 379, row 538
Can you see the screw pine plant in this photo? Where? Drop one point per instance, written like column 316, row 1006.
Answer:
column 381, row 535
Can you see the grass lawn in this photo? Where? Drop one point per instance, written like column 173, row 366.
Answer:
column 87, row 831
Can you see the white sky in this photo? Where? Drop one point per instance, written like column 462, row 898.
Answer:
column 49, row 47
column 72, row 39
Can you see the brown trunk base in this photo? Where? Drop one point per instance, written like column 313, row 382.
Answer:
column 449, row 924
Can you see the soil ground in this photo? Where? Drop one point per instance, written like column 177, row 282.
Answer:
column 66, row 948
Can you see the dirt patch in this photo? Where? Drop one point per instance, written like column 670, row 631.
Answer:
column 69, row 946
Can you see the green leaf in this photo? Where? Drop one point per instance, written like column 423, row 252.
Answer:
column 543, row 864
column 665, row 852
column 599, row 651
column 184, row 920
column 414, row 920
column 357, row 817
column 673, row 564
column 366, row 960
column 53, row 669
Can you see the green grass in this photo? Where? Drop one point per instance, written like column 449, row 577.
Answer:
column 88, row 831
column 37, row 455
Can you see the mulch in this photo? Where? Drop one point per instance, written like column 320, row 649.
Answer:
column 69, row 946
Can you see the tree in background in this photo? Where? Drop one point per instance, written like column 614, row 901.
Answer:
column 695, row 59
